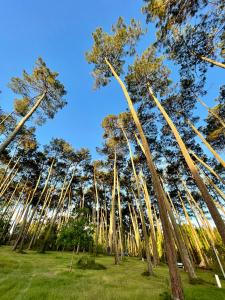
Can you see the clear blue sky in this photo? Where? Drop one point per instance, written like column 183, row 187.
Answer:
column 60, row 32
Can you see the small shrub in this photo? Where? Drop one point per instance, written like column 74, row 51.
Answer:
column 196, row 281
column 88, row 263
column 166, row 296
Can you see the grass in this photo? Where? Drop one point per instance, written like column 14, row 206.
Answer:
column 45, row 276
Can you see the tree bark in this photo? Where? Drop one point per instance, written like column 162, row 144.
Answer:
column 176, row 286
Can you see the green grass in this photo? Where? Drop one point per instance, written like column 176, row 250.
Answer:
column 45, row 276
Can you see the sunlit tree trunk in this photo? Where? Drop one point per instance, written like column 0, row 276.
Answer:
column 121, row 236
column 58, row 206
column 211, row 111
column 97, row 212
column 38, row 225
column 194, row 171
column 36, row 206
column 20, row 124
column 217, row 156
column 26, row 212
column 152, row 226
column 213, row 62
column 148, row 254
column 195, row 237
column 208, row 167
column 135, row 229
column 181, row 245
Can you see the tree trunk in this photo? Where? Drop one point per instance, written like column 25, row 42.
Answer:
column 112, row 225
column 194, row 171
column 210, row 110
column 13, row 134
column 217, row 156
column 213, row 62
column 181, row 246
column 176, row 286
column 208, row 167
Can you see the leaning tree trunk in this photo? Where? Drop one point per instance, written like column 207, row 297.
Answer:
column 210, row 110
column 208, row 167
column 97, row 212
column 112, row 210
column 36, row 206
column 176, row 286
column 203, row 259
column 147, row 201
column 217, row 156
column 136, row 231
column 194, row 171
column 181, row 246
column 213, row 62
column 13, row 134
column 145, row 234
column 59, row 204
column 27, row 207
column 121, row 233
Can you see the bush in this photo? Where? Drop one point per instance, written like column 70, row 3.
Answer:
column 88, row 262
column 166, row 296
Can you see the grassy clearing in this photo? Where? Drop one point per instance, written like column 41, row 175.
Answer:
column 45, row 276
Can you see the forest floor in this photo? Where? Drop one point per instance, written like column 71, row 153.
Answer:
column 46, row 276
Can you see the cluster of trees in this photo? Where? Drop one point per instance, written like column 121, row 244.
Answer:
column 156, row 192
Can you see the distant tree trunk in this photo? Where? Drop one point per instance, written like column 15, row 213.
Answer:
column 152, row 227
column 181, row 246
column 59, row 204
column 71, row 262
column 176, row 286
column 36, row 228
column 22, row 228
column 135, row 229
column 36, row 206
column 97, row 213
column 121, row 233
column 13, row 134
column 203, row 260
column 146, row 238
column 112, row 210
column 26, row 212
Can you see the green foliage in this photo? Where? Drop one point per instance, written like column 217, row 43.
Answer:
column 77, row 232
column 170, row 13
column 21, row 106
column 41, row 82
column 214, row 130
column 114, row 47
column 7, row 123
column 147, row 69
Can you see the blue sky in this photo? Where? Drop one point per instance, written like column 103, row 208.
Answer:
column 60, row 32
